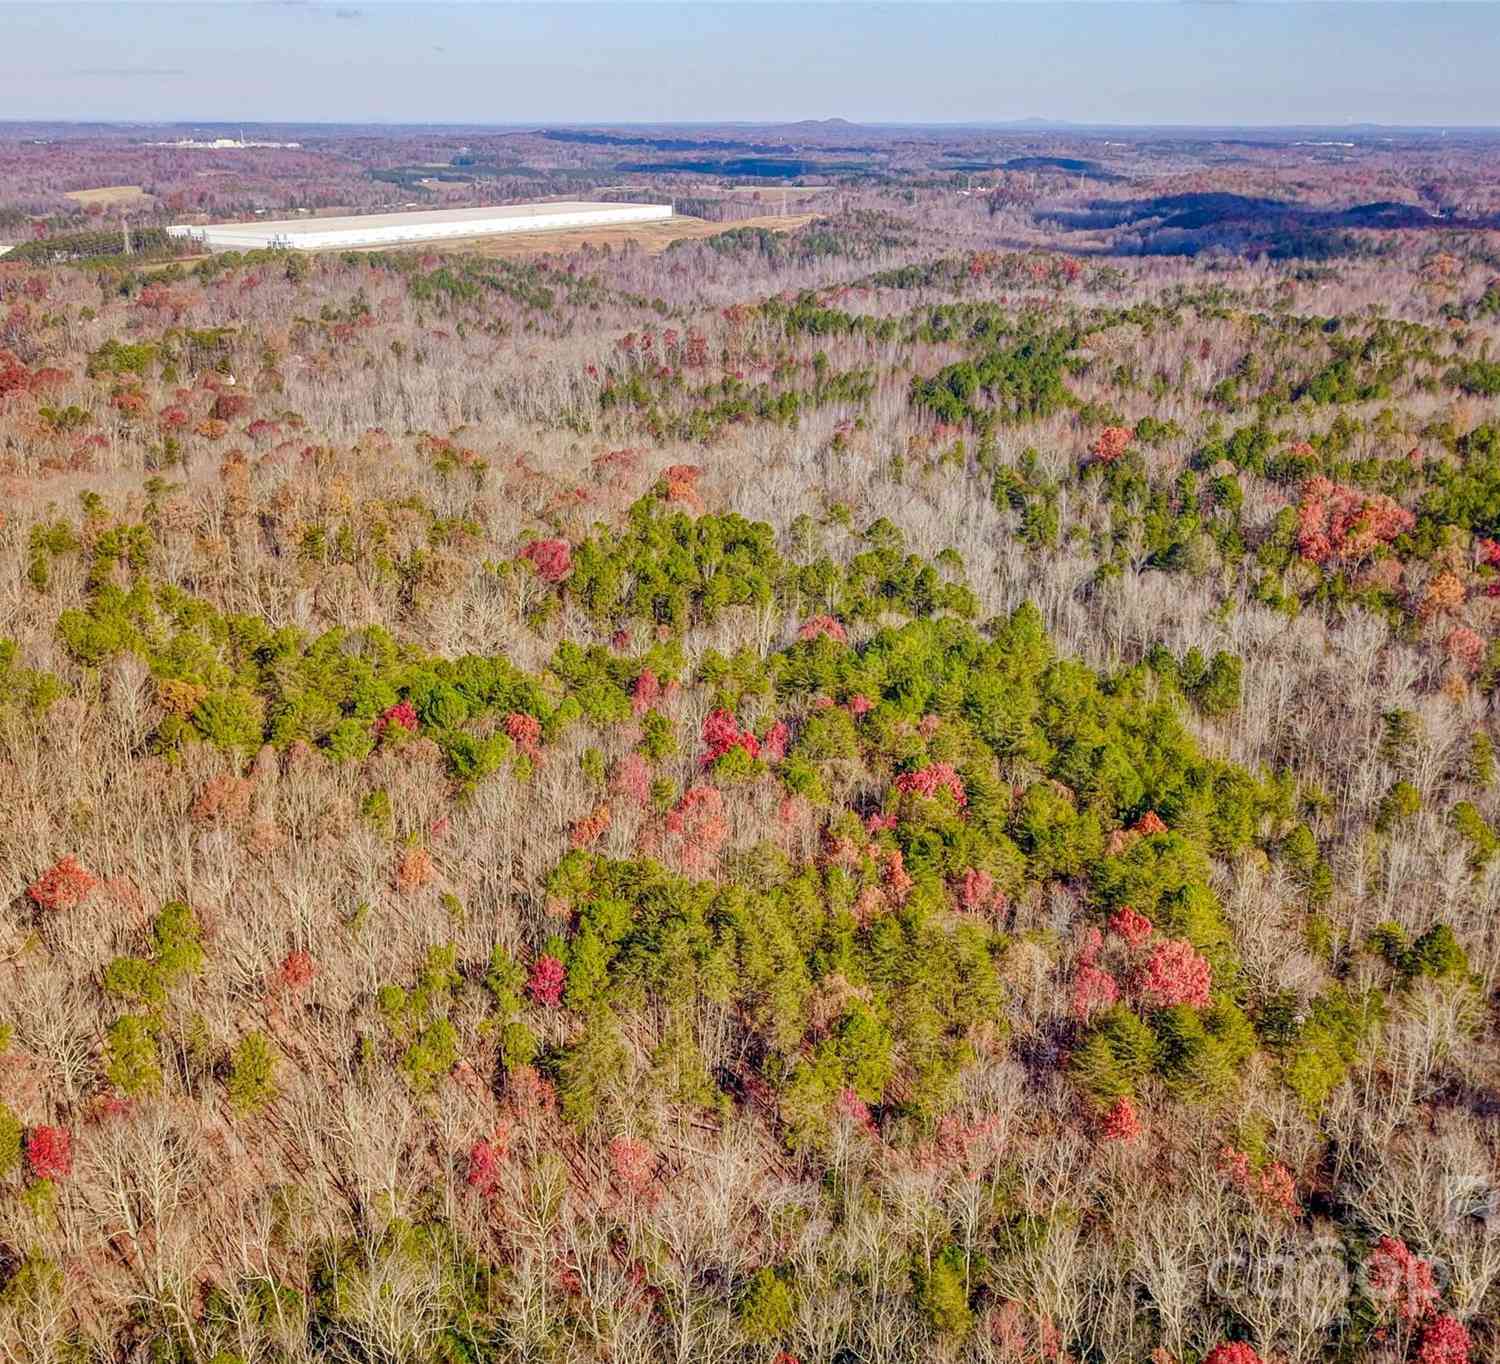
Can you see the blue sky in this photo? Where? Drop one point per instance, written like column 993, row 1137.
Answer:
column 1428, row 63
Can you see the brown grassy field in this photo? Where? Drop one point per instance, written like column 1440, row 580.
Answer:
column 652, row 237
column 111, row 195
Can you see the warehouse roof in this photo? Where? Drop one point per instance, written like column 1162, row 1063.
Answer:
column 363, row 222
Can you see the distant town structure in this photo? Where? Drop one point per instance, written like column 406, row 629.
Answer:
column 390, row 229
column 224, row 144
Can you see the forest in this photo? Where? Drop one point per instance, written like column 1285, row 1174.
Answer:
column 921, row 787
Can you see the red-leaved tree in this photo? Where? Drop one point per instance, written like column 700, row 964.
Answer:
column 1398, row 1277
column 1232, row 1352
column 1342, row 525
column 65, row 886
column 552, row 559
column 545, row 984
column 49, row 1152
column 1175, row 974
column 935, row 777
column 1112, row 443
column 1444, row 1341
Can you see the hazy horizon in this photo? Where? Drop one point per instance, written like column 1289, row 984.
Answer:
column 1100, row 63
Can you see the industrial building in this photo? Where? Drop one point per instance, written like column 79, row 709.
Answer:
column 395, row 229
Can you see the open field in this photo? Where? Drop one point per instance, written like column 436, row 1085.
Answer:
column 111, row 195
column 653, row 237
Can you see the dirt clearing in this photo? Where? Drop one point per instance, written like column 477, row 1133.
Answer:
column 653, row 238
column 111, row 195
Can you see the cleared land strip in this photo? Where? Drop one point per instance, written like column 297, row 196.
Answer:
column 111, row 195
column 652, row 237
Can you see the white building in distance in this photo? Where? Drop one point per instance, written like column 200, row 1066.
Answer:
column 396, row 229
column 223, row 144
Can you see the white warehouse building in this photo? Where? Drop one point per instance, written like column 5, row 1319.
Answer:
column 395, row 229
